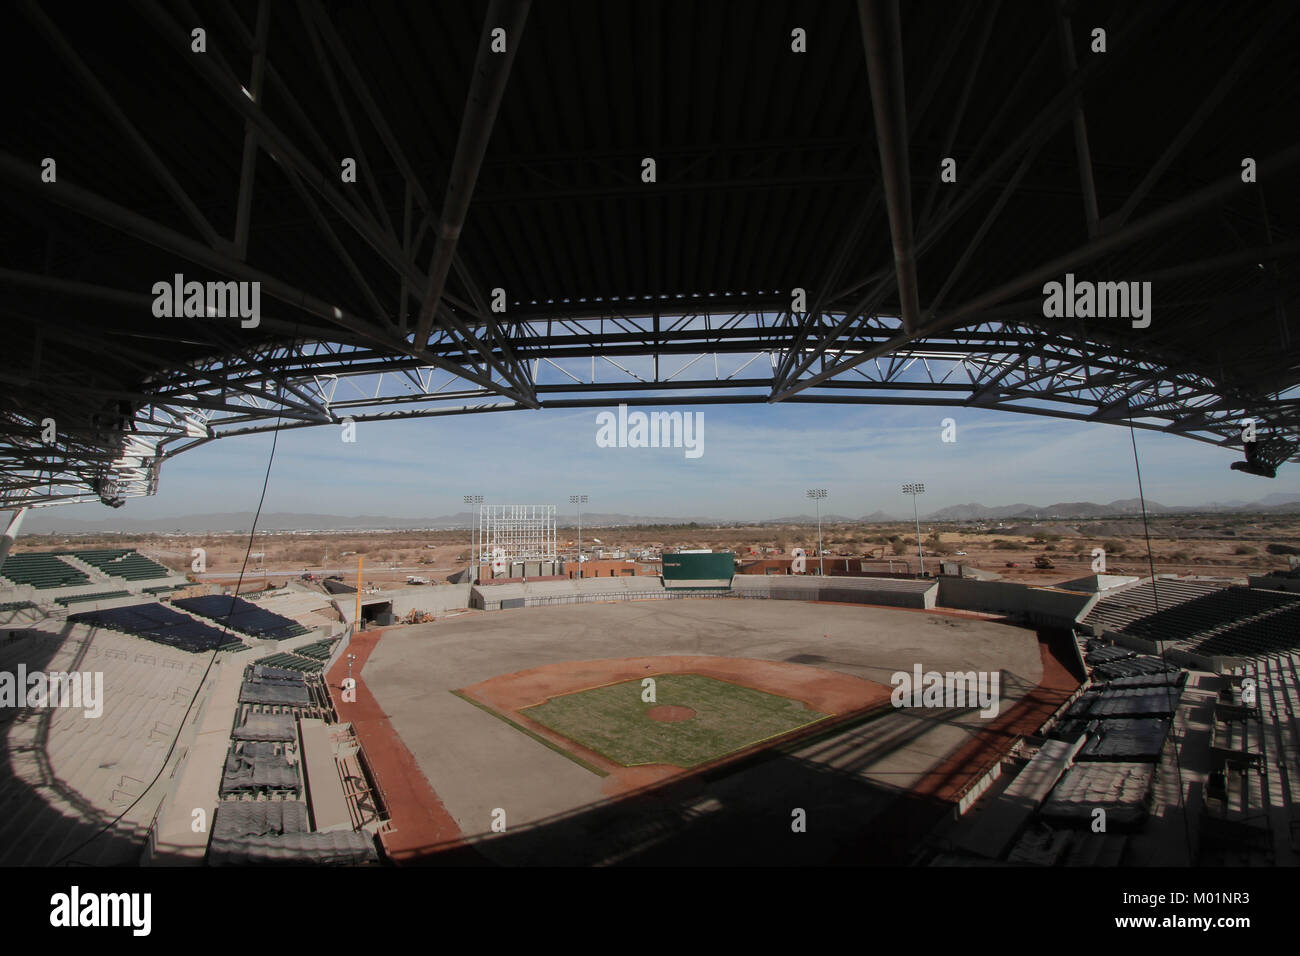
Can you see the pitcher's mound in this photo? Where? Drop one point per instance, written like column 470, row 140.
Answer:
column 670, row 713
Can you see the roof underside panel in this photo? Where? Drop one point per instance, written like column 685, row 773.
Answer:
column 526, row 172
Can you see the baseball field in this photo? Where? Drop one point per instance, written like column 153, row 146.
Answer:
column 682, row 720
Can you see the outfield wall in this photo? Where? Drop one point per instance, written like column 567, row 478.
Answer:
column 1050, row 607
column 496, row 597
column 921, row 595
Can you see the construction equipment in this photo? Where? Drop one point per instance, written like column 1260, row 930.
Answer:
column 1043, row 562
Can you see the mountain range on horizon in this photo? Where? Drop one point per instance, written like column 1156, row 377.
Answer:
column 46, row 522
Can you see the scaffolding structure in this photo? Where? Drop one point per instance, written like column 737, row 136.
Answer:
column 512, row 534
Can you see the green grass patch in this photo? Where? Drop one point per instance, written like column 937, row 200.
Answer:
column 613, row 720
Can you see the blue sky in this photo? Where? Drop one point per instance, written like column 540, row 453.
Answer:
column 757, row 462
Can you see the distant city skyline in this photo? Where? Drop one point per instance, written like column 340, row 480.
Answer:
column 758, row 463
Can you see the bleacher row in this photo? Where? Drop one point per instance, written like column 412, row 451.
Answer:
column 1252, row 797
column 161, row 624
column 1103, row 753
column 47, row 569
column 41, row 571
column 309, row 659
column 69, row 599
column 1202, row 618
column 1127, row 708
column 1108, row 750
column 123, row 563
column 1119, row 608
column 264, row 742
column 243, row 616
column 165, row 625
column 268, row 832
column 164, row 588
column 1276, row 630
column 67, row 777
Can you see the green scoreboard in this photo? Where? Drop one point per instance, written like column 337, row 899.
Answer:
column 711, row 569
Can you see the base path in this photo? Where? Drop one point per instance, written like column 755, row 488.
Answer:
column 418, row 819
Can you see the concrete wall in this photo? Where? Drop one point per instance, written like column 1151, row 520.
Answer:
column 1042, row 606
column 433, row 599
column 522, row 569
column 920, row 595
column 564, row 591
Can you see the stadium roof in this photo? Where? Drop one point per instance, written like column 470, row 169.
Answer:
column 524, row 171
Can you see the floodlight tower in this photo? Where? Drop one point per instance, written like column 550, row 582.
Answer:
column 473, row 548
column 579, row 500
column 914, row 489
column 817, row 494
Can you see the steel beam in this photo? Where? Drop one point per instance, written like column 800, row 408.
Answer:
column 309, row 14
column 1082, row 152
column 491, row 72
column 882, row 39
column 248, row 162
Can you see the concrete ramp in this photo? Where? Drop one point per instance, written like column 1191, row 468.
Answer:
column 329, row 807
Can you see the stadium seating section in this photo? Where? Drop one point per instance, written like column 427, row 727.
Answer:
column 308, row 659
column 1204, row 618
column 123, row 563
column 154, row 622
column 294, row 849
column 41, row 570
column 67, row 776
column 318, row 651
column 292, row 662
column 48, row 569
column 269, row 805
column 243, row 616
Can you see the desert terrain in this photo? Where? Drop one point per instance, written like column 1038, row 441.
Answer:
column 1220, row 545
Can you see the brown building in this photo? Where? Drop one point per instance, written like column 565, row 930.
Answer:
column 608, row 569
column 782, row 565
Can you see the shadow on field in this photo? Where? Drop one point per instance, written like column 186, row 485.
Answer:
column 742, row 813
